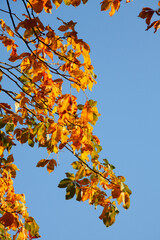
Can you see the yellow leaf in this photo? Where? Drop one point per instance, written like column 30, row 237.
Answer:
column 57, row 3
column 67, row 2
column 9, row 31
column 1, row 151
column 16, row 106
column 112, row 12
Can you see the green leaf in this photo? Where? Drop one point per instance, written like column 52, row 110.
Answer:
column 99, row 148
column 64, row 183
column 92, row 103
column 111, row 166
column 32, row 226
column 78, row 194
column 2, row 123
column 30, row 142
column 95, row 119
column 109, row 217
column 70, row 191
column 9, row 127
column 94, row 155
column 105, row 162
column 80, row 106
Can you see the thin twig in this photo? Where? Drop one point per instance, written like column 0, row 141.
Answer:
column 96, row 172
column 11, row 13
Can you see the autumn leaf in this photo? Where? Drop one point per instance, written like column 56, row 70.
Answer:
column 7, row 219
column 37, row 5
column 57, row 3
column 67, row 2
column 70, row 191
column 64, row 183
column 1, row 75
column 116, row 192
column 50, row 166
column 49, row 116
column 63, row 28
column 146, row 13
column 106, row 4
column 84, row 1
column 42, row 163
column 76, row 3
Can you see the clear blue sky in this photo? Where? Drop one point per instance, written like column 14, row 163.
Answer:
column 125, row 58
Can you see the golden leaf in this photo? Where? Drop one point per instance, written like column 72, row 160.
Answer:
column 57, row 2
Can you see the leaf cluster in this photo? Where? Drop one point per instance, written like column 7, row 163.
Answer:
column 44, row 114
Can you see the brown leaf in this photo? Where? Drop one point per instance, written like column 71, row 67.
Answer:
column 116, row 192
column 1, row 74
column 42, row 163
column 106, row 4
column 7, row 219
column 63, row 28
column 50, row 165
column 76, row 3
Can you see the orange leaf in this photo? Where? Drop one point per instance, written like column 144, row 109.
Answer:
column 106, row 4
column 57, row 3
column 37, row 5
column 1, row 74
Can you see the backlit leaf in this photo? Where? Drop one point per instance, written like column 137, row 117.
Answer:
column 67, row 2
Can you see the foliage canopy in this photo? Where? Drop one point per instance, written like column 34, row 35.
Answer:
column 40, row 62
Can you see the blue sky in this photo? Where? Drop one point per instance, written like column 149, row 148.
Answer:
column 125, row 58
